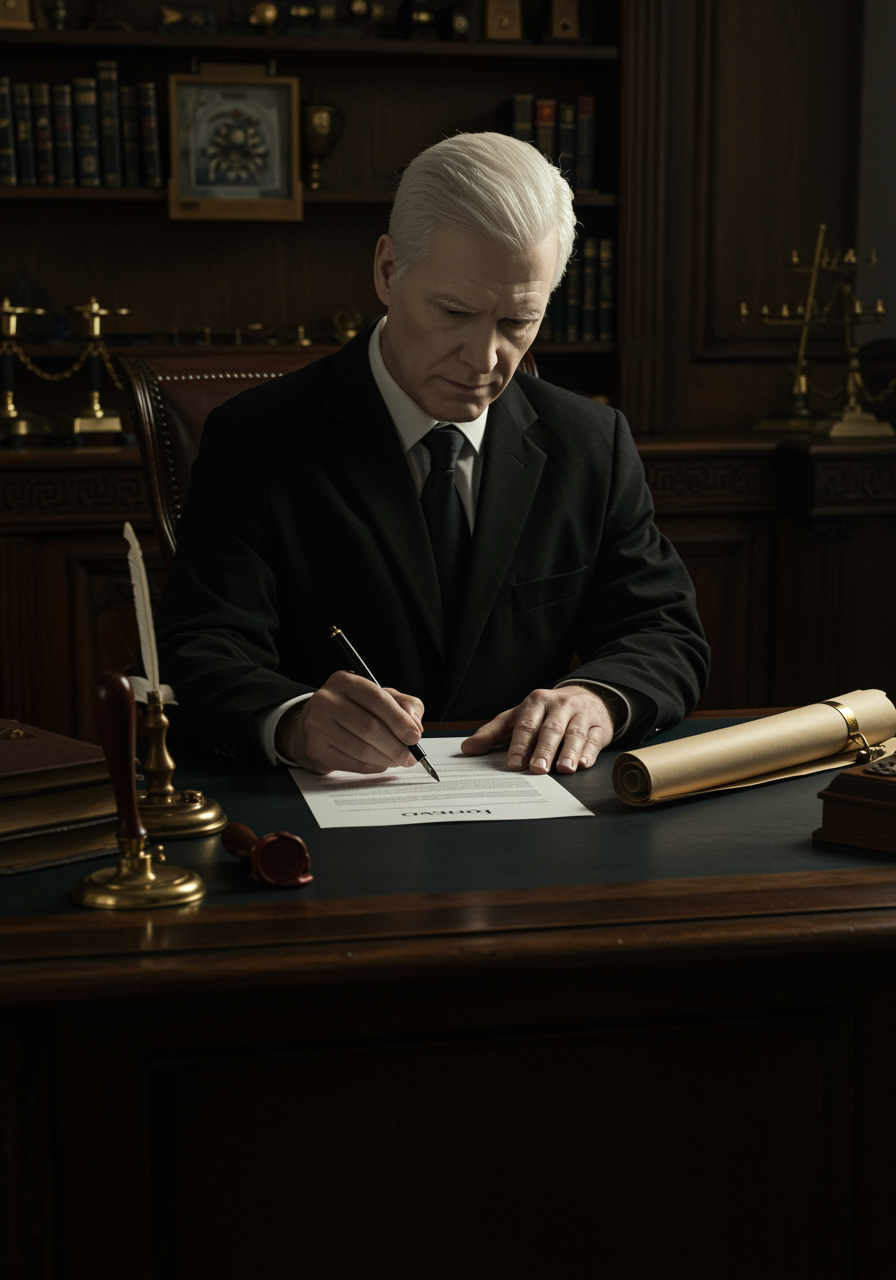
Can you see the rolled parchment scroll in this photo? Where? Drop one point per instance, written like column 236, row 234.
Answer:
column 754, row 750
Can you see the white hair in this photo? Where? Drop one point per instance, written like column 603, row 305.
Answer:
column 487, row 184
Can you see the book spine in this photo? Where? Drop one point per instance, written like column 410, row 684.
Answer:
column 566, row 139
column 584, row 144
column 130, row 136
column 589, row 292
column 523, row 104
column 574, row 300
column 559, row 308
column 62, row 125
column 43, row 135
column 8, row 168
column 546, row 126
column 110, row 126
column 25, row 161
column 149, row 134
column 87, row 142
column 605, row 309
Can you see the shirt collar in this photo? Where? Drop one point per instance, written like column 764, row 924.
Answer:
column 411, row 422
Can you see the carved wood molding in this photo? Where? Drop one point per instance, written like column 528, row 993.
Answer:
column 72, row 498
column 849, row 482
column 698, row 484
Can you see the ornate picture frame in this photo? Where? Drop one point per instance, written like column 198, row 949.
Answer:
column 234, row 145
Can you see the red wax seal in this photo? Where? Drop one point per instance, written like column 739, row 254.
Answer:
column 280, row 859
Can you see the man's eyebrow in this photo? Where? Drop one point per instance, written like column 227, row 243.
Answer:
column 452, row 304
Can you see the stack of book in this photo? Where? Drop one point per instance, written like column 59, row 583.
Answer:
column 582, row 308
column 564, row 132
column 56, row 801
column 91, row 133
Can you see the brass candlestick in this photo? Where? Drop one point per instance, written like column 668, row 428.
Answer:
column 95, row 417
column 138, row 880
column 166, row 813
column 853, row 420
column 15, row 423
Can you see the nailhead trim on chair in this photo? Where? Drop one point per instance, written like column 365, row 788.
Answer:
column 188, row 377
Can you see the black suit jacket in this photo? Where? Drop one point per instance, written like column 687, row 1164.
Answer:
column 302, row 513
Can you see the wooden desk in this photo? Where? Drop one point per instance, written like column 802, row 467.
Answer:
column 654, row 1043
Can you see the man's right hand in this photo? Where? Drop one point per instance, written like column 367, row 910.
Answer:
column 351, row 724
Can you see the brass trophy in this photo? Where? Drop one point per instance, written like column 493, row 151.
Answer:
column 842, row 310
column 322, row 125
column 139, row 879
column 166, row 813
column 15, row 424
column 94, row 417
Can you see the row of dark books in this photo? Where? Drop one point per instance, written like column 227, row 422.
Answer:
column 91, row 133
column 582, row 309
column 562, row 131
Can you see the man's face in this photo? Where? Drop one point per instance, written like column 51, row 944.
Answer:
column 461, row 320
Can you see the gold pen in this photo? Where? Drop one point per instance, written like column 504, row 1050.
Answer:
column 362, row 669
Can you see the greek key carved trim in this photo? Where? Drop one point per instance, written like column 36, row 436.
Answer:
column 77, row 495
column 855, row 481
column 679, row 482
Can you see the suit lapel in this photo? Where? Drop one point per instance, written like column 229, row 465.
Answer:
column 511, row 471
column 366, row 447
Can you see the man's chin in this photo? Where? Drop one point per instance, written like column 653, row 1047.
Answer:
column 457, row 405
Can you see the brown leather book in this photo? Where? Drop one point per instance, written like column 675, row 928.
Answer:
column 54, row 810
column 34, row 760
column 47, row 849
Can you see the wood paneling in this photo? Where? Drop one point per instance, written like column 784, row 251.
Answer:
column 740, row 135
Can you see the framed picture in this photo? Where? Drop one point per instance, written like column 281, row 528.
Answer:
column 234, row 145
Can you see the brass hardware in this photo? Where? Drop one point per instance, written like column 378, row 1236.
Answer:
column 866, row 753
column 167, row 813
column 15, row 422
column 94, row 416
column 14, row 735
column 135, row 882
column 853, row 420
column 346, row 325
column 301, row 340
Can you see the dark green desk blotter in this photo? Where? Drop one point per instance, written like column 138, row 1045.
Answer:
column 761, row 830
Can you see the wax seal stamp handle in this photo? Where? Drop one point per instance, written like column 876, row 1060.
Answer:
column 239, row 839
column 116, row 719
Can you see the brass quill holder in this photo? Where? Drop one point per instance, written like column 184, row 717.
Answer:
column 138, row 880
column 168, row 814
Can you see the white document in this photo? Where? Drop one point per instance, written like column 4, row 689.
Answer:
column 472, row 789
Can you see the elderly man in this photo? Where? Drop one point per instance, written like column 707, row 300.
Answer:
column 484, row 538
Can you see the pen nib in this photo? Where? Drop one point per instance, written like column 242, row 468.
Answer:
column 430, row 770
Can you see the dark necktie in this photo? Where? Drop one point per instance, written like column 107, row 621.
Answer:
column 446, row 520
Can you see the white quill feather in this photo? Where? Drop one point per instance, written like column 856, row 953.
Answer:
column 143, row 605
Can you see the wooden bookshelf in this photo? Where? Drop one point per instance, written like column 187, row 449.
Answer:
column 326, row 195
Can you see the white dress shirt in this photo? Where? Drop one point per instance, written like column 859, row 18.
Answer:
column 411, row 424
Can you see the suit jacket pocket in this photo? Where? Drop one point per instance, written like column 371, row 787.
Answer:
column 542, row 591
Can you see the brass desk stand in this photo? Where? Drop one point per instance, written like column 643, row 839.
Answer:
column 137, row 881
column 168, row 814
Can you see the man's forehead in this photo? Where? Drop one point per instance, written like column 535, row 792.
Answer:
column 474, row 273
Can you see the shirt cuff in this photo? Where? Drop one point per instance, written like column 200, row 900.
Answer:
column 618, row 705
column 266, row 727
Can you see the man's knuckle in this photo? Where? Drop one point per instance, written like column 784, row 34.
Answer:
column 575, row 731
column 554, row 725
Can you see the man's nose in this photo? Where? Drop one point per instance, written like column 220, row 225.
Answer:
column 480, row 351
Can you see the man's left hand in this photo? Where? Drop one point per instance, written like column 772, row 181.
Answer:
column 571, row 723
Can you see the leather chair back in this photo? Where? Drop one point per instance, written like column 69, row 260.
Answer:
column 172, row 397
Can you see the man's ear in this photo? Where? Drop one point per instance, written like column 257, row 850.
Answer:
column 384, row 269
